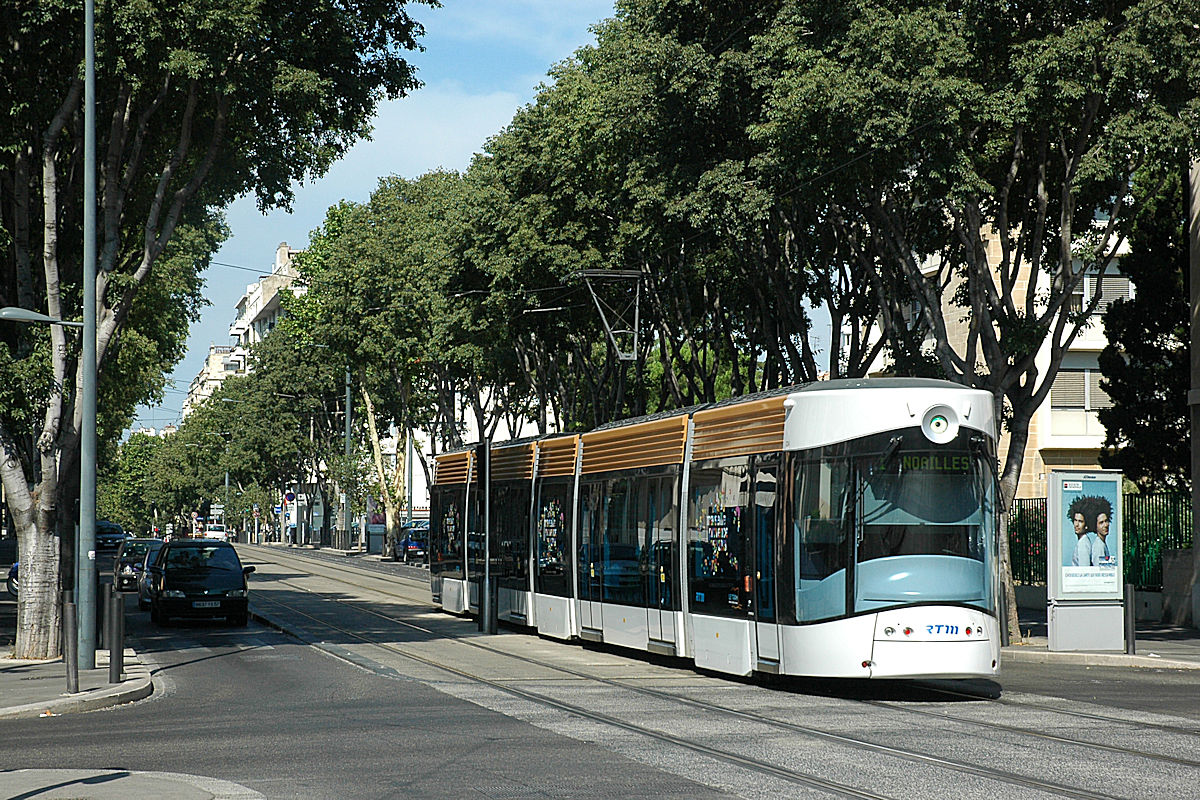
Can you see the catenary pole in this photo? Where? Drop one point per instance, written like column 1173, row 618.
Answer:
column 85, row 551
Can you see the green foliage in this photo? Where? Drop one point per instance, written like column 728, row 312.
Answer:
column 1146, row 364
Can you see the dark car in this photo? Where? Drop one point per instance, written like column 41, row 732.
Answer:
column 413, row 538
column 128, row 563
column 198, row 579
column 143, row 575
column 12, row 579
column 109, row 537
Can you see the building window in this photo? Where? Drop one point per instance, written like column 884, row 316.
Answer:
column 1079, row 389
column 1113, row 287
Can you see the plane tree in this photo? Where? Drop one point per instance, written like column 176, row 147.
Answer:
column 195, row 107
column 978, row 161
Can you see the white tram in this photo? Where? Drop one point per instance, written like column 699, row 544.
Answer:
column 838, row 529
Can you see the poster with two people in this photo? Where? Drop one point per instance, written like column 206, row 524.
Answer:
column 1084, row 518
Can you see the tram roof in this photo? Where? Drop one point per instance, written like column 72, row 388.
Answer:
column 836, row 384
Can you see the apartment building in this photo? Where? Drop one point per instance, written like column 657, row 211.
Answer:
column 219, row 365
column 260, row 308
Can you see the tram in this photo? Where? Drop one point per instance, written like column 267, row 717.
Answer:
column 842, row 528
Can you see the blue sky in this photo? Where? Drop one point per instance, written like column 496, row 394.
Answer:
column 483, row 60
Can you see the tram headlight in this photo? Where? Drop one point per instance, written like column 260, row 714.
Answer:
column 940, row 424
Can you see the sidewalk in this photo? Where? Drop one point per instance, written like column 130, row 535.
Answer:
column 1157, row 647
column 39, row 688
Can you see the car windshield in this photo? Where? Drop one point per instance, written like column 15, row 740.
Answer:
column 135, row 549
column 215, row 557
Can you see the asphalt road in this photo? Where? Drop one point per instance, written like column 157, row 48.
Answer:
column 254, row 707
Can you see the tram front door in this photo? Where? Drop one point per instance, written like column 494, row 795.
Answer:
column 765, row 628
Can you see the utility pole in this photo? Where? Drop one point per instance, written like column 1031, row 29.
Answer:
column 85, row 551
column 1193, row 193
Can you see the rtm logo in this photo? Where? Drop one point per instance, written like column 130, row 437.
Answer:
column 950, row 630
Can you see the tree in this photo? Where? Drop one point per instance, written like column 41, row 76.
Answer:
column 122, row 487
column 197, row 106
column 1146, row 363
column 979, row 161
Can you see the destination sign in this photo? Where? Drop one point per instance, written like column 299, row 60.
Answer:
column 956, row 463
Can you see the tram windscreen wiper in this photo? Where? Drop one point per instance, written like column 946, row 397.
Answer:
column 889, row 451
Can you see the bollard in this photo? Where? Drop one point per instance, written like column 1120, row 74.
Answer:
column 493, row 612
column 116, row 647
column 71, row 647
column 1130, row 620
column 104, row 607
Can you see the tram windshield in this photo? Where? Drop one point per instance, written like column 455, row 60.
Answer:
column 894, row 519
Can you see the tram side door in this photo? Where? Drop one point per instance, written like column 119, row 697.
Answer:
column 660, row 611
column 590, row 565
column 765, row 618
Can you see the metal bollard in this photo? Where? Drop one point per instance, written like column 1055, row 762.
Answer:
column 1130, row 620
column 116, row 635
column 71, row 646
column 104, row 607
column 493, row 612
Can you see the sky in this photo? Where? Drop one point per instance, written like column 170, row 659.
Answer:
column 483, row 61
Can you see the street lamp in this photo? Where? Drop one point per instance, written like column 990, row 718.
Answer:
column 14, row 314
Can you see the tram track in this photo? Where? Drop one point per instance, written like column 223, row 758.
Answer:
column 420, row 596
column 875, row 748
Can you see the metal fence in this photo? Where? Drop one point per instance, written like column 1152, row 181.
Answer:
column 1150, row 524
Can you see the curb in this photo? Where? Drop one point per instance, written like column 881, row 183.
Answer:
column 1019, row 655
column 137, row 685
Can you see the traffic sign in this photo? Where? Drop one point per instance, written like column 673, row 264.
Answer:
column 256, row 512
column 290, row 496
column 278, row 509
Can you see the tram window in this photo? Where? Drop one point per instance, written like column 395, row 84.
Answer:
column 445, row 540
column 764, row 525
column 923, row 532
column 510, row 525
column 717, row 553
column 660, row 544
column 553, row 537
column 623, row 578
column 591, row 532
column 822, row 522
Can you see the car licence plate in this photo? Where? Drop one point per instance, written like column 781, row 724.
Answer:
column 206, row 604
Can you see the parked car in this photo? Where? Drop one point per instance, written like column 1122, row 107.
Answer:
column 127, row 564
column 12, row 579
column 198, row 579
column 413, row 544
column 143, row 578
column 109, row 536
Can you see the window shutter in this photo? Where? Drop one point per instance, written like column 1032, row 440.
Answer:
column 1113, row 287
column 1067, row 391
column 1097, row 397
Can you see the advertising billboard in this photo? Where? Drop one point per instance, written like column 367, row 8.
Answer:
column 1084, row 535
